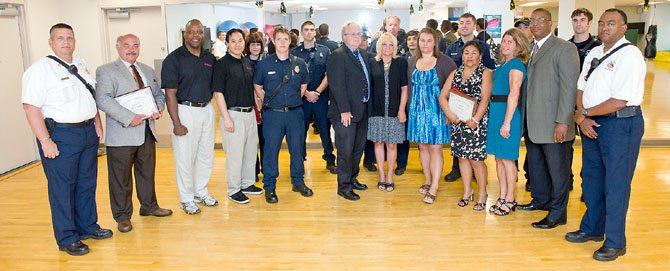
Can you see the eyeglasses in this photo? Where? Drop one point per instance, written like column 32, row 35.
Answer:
column 537, row 21
column 358, row 34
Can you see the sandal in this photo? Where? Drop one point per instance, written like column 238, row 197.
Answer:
column 499, row 203
column 464, row 202
column 479, row 206
column 390, row 187
column 424, row 189
column 429, row 198
column 511, row 207
column 381, row 185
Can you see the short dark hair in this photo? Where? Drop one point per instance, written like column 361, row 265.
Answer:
column 468, row 15
column 323, row 30
column 306, row 23
column 255, row 37
column 621, row 12
column 234, row 30
column 431, row 23
column 543, row 10
column 59, row 26
column 295, row 31
column 281, row 29
column 445, row 26
column 582, row 11
column 474, row 43
column 481, row 23
column 413, row 33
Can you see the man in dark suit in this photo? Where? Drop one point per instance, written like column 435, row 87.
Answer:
column 349, row 83
column 547, row 106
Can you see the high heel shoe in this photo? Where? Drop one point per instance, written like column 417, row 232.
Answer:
column 480, row 206
column 381, row 185
column 499, row 203
column 465, row 201
column 511, row 207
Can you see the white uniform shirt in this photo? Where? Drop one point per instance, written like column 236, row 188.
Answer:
column 130, row 70
column 59, row 94
column 621, row 76
column 219, row 48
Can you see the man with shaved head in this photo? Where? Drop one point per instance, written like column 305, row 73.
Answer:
column 131, row 137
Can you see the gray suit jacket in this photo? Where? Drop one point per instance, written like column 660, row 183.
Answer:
column 115, row 79
column 549, row 92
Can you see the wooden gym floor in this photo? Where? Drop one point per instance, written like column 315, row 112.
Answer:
column 381, row 231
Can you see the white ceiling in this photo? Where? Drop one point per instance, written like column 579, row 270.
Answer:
column 303, row 5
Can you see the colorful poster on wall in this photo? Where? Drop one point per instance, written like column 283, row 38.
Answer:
column 493, row 25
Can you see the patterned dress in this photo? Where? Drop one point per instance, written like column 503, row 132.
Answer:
column 426, row 123
column 384, row 128
column 465, row 142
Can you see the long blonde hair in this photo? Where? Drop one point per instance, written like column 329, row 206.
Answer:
column 522, row 46
column 380, row 42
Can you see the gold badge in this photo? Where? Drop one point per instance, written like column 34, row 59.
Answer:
column 297, row 69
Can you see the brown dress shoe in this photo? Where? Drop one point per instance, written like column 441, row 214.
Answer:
column 125, row 226
column 159, row 212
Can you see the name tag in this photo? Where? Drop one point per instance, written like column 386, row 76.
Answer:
column 272, row 72
column 453, row 54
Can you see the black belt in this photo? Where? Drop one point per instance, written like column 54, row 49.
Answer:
column 82, row 124
column 284, row 109
column 499, row 98
column 193, row 104
column 626, row 112
column 241, row 109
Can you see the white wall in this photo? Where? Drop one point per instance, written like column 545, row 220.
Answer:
column 336, row 18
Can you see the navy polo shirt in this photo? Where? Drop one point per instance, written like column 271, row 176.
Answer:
column 269, row 73
column 189, row 74
column 316, row 59
column 455, row 51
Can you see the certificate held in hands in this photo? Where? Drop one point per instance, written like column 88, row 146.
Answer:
column 462, row 105
column 139, row 101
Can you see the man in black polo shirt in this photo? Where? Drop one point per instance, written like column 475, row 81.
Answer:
column 187, row 79
column 282, row 113
column 581, row 22
column 316, row 97
column 234, row 94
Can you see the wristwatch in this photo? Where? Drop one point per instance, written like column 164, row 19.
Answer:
column 585, row 112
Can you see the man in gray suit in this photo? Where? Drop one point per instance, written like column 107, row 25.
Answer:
column 547, row 104
column 131, row 138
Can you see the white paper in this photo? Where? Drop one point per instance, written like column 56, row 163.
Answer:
column 140, row 101
column 461, row 107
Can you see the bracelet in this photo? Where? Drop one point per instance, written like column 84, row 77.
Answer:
column 42, row 140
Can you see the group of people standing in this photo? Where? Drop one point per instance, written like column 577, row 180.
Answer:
column 535, row 91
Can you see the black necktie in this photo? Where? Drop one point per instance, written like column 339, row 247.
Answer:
column 366, row 92
column 137, row 77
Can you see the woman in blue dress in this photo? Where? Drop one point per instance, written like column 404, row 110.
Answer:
column 504, row 119
column 427, row 125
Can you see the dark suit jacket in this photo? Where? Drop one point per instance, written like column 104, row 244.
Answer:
column 397, row 79
column 347, row 83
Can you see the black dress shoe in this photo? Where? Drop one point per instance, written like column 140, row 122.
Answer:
column 370, row 167
column 350, row 195
column 548, row 224
column 331, row 167
column 606, row 254
column 271, row 196
column 358, row 186
column 75, row 249
column 530, row 207
column 581, row 237
column 98, row 235
column 303, row 189
column 125, row 226
column 400, row 171
column 452, row 176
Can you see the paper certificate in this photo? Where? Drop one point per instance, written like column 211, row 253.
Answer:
column 462, row 105
column 140, row 101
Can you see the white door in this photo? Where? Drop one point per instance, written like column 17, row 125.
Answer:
column 17, row 142
column 148, row 24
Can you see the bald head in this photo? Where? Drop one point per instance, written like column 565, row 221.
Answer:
column 128, row 47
